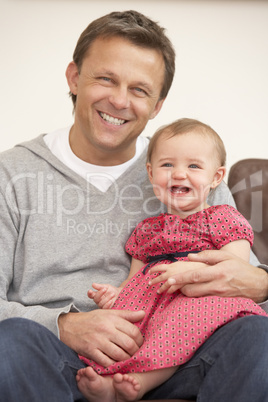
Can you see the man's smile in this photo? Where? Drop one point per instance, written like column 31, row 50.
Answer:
column 111, row 119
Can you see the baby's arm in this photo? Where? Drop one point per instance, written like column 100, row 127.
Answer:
column 105, row 295
column 240, row 248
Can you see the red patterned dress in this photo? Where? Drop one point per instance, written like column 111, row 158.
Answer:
column 175, row 326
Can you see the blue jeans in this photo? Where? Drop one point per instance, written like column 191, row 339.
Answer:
column 232, row 365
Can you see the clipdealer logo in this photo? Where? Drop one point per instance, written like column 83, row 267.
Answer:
column 252, row 188
column 40, row 193
column 112, row 228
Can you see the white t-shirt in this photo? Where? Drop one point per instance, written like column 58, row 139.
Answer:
column 101, row 177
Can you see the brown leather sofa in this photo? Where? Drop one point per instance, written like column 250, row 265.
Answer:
column 248, row 182
column 168, row 400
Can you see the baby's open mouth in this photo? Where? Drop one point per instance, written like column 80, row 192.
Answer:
column 179, row 190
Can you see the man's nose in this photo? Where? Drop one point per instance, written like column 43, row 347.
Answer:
column 119, row 98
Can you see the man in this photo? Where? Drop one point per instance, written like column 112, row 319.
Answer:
column 69, row 201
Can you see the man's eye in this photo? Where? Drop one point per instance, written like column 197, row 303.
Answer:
column 105, row 79
column 140, row 91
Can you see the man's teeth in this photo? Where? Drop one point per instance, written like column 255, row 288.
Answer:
column 113, row 120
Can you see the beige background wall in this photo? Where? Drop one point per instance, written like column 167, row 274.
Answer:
column 221, row 77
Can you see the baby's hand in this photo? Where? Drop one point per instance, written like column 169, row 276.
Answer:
column 167, row 272
column 104, row 296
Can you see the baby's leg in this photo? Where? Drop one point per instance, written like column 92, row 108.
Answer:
column 95, row 387
column 131, row 387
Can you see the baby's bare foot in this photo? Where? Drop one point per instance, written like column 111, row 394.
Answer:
column 127, row 387
column 95, row 387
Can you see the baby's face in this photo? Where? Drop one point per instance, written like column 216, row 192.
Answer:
column 183, row 169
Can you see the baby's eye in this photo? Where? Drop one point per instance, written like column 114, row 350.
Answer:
column 167, row 164
column 194, row 166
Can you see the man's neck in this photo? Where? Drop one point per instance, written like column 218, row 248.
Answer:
column 97, row 156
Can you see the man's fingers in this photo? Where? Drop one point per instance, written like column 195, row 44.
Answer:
column 125, row 326
column 109, row 353
column 115, row 338
column 158, row 279
column 132, row 316
column 215, row 288
column 101, row 358
column 172, row 289
column 198, row 276
column 165, row 286
column 210, row 257
column 113, row 353
column 127, row 339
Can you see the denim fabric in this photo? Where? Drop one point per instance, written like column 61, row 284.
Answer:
column 232, row 366
column 35, row 366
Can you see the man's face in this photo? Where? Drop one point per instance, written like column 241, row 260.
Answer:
column 118, row 91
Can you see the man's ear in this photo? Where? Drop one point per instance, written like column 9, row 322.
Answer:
column 149, row 171
column 218, row 177
column 157, row 108
column 72, row 75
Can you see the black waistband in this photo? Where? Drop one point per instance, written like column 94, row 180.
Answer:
column 168, row 256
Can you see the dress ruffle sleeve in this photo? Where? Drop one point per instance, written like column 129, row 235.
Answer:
column 227, row 225
column 141, row 233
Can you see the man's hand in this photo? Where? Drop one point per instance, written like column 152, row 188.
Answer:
column 226, row 275
column 106, row 336
column 223, row 274
column 170, row 271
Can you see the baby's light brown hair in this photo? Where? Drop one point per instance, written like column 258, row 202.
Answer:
column 184, row 126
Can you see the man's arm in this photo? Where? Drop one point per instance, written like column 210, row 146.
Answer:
column 9, row 234
column 105, row 336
